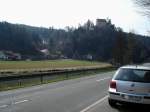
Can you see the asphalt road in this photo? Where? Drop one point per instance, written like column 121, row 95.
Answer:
column 88, row 94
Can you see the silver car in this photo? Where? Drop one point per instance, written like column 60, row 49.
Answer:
column 130, row 84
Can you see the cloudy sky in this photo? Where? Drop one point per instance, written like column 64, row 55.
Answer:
column 61, row 13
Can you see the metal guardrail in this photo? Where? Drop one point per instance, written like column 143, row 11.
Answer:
column 16, row 81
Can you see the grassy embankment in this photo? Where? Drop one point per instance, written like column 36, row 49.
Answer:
column 29, row 67
column 19, row 67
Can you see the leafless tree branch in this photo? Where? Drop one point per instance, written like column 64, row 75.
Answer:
column 145, row 6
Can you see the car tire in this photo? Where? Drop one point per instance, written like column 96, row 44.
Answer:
column 112, row 103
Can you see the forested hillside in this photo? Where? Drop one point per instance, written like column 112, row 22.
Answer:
column 101, row 41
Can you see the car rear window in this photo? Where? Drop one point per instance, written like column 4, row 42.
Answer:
column 134, row 75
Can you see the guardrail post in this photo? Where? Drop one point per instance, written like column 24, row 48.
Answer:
column 19, row 81
column 41, row 78
column 67, row 75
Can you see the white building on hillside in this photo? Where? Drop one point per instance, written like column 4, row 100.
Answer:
column 101, row 22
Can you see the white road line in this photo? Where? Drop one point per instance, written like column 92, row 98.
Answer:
column 103, row 79
column 21, row 101
column 94, row 104
column 3, row 106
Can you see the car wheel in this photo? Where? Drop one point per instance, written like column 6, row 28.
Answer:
column 112, row 103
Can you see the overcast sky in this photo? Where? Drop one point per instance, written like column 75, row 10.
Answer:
column 61, row 13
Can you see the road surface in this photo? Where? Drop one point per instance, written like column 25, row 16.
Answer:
column 87, row 94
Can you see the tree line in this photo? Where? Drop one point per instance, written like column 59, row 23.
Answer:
column 88, row 41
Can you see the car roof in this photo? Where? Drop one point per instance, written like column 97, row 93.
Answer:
column 141, row 67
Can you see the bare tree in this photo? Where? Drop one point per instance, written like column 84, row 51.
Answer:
column 145, row 5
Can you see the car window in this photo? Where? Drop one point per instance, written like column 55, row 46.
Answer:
column 134, row 75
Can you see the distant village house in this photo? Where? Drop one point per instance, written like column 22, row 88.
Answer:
column 9, row 55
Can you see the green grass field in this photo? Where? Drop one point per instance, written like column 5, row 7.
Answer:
column 48, row 64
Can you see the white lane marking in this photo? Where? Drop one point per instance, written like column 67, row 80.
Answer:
column 21, row 101
column 103, row 79
column 3, row 106
column 94, row 104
